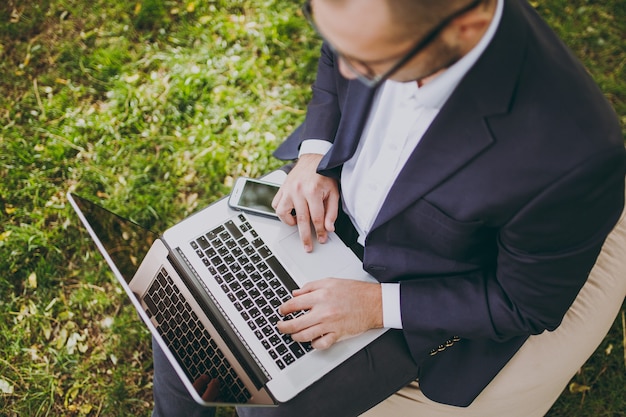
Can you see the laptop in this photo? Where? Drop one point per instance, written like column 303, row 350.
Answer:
column 209, row 288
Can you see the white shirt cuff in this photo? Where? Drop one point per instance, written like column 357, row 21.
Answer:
column 392, row 317
column 317, row 146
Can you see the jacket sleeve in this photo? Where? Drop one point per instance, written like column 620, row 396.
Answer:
column 323, row 112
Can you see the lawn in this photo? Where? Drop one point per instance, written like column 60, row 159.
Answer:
column 152, row 108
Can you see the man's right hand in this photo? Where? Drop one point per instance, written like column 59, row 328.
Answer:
column 313, row 197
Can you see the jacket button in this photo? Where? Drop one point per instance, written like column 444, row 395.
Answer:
column 376, row 268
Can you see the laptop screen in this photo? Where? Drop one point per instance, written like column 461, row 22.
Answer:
column 126, row 242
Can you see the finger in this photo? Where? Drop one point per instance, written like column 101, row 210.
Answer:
column 294, row 305
column 299, row 302
column 331, row 211
column 304, row 223
column 325, row 341
column 283, row 210
column 212, row 391
column 286, row 217
column 317, row 213
column 307, row 335
column 277, row 198
column 201, row 383
column 207, row 387
column 301, row 326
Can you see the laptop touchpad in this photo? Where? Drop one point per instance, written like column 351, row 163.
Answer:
column 326, row 260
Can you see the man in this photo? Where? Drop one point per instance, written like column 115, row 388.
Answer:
column 470, row 160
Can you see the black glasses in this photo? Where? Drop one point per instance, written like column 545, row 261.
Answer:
column 363, row 71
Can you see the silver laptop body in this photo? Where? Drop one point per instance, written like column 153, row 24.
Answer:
column 208, row 290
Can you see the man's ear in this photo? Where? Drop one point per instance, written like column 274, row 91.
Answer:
column 469, row 28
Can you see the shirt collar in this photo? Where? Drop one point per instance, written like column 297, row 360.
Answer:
column 435, row 93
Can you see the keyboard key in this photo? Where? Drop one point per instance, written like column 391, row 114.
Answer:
column 264, row 251
column 297, row 350
column 289, row 359
column 151, row 305
column 215, row 232
column 254, row 293
column 281, row 349
column 275, row 340
column 203, row 242
column 233, row 229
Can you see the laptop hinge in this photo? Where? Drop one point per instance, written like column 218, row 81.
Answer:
column 249, row 362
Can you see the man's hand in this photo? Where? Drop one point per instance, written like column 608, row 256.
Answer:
column 313, row 197
column 335, row 309
column 207, row 387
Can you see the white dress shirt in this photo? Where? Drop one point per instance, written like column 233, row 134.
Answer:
column 401, row 114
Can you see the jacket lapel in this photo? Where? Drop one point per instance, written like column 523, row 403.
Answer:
column 461, row 131
column 442, row 151
column 356, row 111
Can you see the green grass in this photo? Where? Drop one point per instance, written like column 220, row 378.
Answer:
column 152, row 107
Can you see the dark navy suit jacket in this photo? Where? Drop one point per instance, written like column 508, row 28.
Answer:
column 499, row 214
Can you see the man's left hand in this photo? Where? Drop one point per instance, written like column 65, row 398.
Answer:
column 335, row 309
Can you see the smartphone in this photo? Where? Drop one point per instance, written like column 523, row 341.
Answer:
column 253, row 196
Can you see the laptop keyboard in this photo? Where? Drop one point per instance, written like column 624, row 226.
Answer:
column 254, row 280
column 183, row 332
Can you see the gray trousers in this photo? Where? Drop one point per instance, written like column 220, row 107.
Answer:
column 361, row 382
